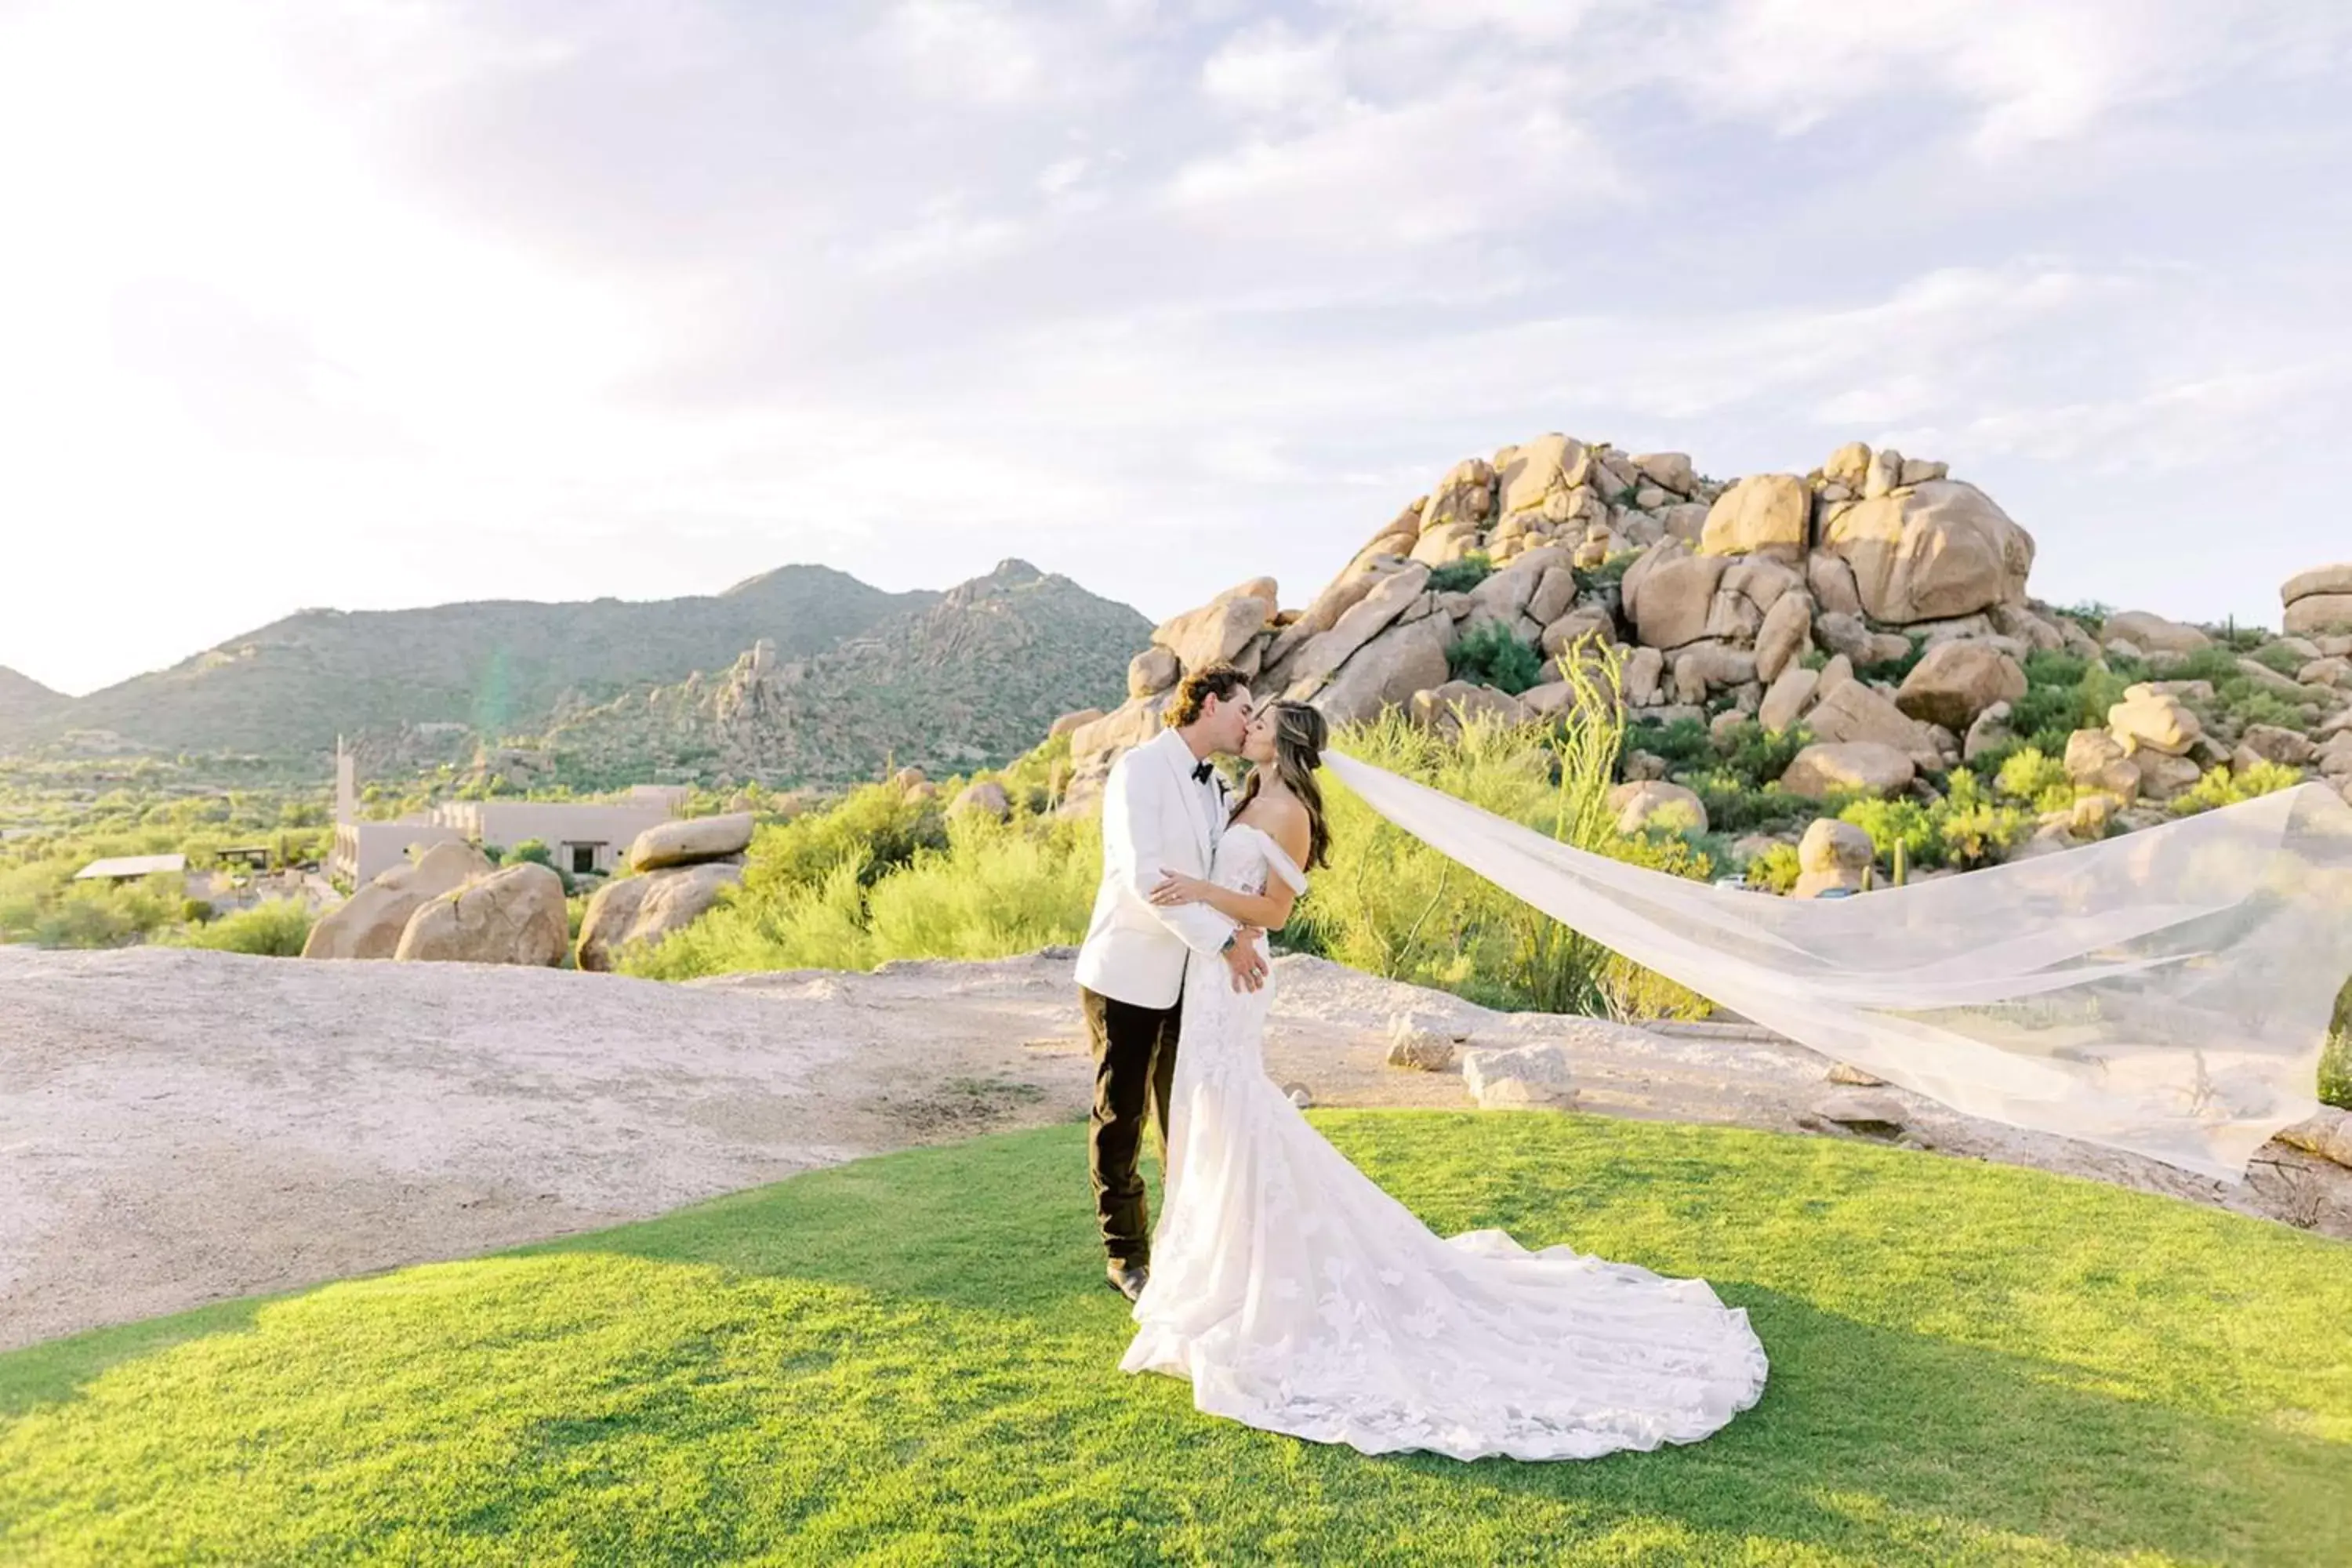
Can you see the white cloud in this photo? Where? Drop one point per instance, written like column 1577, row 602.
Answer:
column 366, row 305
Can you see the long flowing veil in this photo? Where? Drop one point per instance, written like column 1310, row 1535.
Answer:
column 2167, row 992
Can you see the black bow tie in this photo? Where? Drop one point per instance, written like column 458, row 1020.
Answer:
column 1201, row 772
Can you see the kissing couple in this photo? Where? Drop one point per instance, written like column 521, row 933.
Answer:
column 1294, row 1293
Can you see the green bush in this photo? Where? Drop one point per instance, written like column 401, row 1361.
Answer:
column 2220, row 787
column 1894, row 669
column 536, row 852
column 1460, row 576
column 1685, row 743
column 2336, row 1061
column 1776, row 870
column 277, row 929
column 1490, row 656
column 1973, row 828
column 879, row 826
column 1900, row 821
column 1965, row 829
column 1759, row 756
column 2064, row 693
column 1390, row 905
column 989, row 890
column 2033, row 777
column 1736, row 805
column 2278, row 657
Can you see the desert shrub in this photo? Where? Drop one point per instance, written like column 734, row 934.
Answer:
column 1759, row 756
column 1030, row 780
column 1490, row 656
column 1391, row 905
column 1776, row 870
column 1975, row 830
column 2036, row 777
column 2219, row 786
column 536, row 852
column 108, row 914
column 1894, row 669
column 787, row 925
column 989, row 890
column 2064, row 693
column 1903, row 821
column 997, row 889
column 2335, row 1060
column 1736, row 805
column 879, row 826
column 1969, row 828
column 2277, row 656
column 1460, row 576
column 277, row 929
column 1684, row 744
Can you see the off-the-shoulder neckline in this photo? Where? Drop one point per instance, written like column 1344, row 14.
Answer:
column 1294, row 875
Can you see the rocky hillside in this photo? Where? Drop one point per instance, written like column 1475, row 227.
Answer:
column 967, row 681
column 496, row 666
column 25, row 702
column 1788, row 644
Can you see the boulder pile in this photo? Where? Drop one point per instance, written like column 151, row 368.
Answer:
column 370, row 923
column 1877, row 604
column 1718, row 592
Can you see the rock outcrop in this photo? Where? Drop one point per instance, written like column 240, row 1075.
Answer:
column 516, row 915
column 691, row 840
column 368, row 923
column 636, row 912
column 2319, row 600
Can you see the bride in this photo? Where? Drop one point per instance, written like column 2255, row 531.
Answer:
column 1300, row 1298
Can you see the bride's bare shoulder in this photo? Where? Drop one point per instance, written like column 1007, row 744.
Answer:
column 1281, row 816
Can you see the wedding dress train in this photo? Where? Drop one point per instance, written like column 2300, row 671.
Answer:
column 1300, row 1298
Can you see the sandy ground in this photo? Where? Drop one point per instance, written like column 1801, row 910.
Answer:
column 177, row 1127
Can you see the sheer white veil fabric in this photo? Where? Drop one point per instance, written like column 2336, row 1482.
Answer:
column 2166, row 992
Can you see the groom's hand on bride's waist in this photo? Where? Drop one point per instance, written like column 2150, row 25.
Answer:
column 1244, row 959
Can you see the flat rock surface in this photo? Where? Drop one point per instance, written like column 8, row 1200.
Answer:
column 177, row 1127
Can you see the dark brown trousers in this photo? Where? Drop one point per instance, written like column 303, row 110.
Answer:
column 1134, row 1069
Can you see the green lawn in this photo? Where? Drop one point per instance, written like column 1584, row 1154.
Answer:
column 911, row 1359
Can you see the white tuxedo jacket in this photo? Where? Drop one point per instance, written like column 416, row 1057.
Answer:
column 1156, row 817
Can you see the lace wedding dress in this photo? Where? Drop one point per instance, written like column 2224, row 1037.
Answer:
column 1300, row 1298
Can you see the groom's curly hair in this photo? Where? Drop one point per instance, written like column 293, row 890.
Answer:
column 1217, row 680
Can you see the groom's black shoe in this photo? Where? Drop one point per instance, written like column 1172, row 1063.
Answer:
column 1127, row 1278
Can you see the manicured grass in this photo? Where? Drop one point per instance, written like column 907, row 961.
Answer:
column 911, row 1359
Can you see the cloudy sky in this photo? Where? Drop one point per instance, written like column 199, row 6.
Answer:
column 379, row 304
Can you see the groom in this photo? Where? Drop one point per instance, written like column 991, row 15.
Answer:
column 1164, row 810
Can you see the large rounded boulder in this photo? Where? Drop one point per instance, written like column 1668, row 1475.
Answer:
column 1932, row 551
column 514, row 916
column 368, row 923
column 1958, row 680
column 636, row 913
column 691, row 840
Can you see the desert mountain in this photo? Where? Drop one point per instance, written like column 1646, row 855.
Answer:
column 24, row 702
column 968, row 681
column 497, row 666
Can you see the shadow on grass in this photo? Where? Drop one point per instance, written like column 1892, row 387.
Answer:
column 54, row 1370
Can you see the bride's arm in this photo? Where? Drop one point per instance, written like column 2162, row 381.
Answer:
column 1269, row 910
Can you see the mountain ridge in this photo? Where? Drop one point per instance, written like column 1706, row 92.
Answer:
column 965, row 681
column 499, row 665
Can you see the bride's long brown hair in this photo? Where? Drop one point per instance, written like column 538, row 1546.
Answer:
column 1299, row 736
